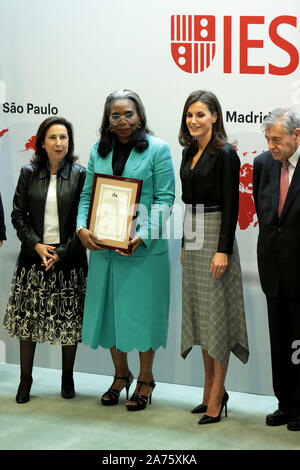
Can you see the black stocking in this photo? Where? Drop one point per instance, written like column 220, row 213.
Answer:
column 27, row 350
column 68, row 359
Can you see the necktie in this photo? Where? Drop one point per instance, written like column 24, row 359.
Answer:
column 284, row 185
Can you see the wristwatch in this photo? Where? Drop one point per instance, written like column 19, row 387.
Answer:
column 79, row 228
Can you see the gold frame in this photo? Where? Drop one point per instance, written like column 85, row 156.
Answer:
column 135, row 186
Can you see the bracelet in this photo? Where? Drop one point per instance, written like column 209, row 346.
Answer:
column 79, row 228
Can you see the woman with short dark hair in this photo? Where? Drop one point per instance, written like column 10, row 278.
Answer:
column 47, row 293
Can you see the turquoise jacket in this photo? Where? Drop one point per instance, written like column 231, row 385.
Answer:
column 153, row 166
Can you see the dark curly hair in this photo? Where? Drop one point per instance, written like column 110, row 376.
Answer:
column 40, row 157
column 107, row 137
column 219, row 136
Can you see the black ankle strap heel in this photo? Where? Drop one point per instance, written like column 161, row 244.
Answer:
column 113, row 394
column 141, row 400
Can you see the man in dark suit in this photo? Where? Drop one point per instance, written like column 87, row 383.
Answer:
column 276, row 190
column 2, row 226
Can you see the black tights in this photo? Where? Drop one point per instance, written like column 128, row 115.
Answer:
column 27, row 350
column 68, row 359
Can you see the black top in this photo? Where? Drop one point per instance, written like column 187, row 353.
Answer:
column 214, row 181
column 120, row 156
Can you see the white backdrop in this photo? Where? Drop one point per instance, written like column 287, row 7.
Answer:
column 66, row 56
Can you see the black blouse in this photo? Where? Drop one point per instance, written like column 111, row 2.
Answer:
column 121, row 153
column 214, row 181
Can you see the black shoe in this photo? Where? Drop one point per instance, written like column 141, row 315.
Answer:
column 23, row 393
column 199, row 409
column 113, row 394
column 210, row 419
column 141, row 400
column 294, row 423
column 67, row 387
column 277, row 418
column 22, row 397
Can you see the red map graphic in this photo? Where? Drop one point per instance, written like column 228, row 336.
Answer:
column 247, row 208
column 3, row 132
column 30, row 144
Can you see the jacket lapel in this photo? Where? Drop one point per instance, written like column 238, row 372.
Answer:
column 104, row 165
column 293, row 189
column 134, row 161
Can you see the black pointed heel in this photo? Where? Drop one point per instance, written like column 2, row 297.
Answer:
column 113, row 394
column 199, row 409
column 23, row 393
column 210, row 419
column 141, row 400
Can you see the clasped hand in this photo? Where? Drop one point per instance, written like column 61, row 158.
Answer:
column 48, row 254
column 90, row 241
column 135, row 242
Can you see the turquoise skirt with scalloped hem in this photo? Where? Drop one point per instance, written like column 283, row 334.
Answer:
column 127, row 301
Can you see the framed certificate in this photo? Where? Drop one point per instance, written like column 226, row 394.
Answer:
column 112, row 211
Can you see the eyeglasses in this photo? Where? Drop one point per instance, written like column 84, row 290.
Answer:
column 116, row 118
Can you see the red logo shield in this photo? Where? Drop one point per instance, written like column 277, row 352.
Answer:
column 193, row 41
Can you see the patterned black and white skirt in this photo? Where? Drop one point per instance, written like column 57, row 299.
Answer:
column 47, row 306
column 213, row 314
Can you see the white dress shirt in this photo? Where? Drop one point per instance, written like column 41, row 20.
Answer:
column 293, row 160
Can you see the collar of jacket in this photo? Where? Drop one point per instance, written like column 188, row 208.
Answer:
column 64, row 170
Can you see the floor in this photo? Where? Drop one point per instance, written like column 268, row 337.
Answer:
column 48, row 422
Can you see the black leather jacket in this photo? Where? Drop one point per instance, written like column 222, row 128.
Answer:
column 29, row 207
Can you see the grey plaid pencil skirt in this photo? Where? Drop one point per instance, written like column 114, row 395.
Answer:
column 213, row 314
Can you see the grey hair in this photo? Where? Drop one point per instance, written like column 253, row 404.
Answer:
column 288, row 118
column 126, row 94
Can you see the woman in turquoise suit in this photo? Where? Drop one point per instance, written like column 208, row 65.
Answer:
column 127, row 298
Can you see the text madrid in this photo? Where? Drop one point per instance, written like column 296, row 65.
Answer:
column 29, row 108
column 250, row 118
